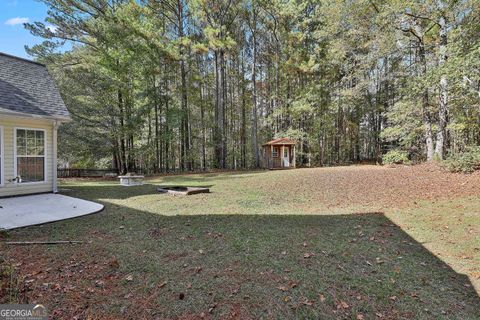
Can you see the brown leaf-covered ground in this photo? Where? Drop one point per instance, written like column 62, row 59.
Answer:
column 359, row 242
column 376, row 186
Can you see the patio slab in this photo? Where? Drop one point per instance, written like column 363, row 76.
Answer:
column 31, row 210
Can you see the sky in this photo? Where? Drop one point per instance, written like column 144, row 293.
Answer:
column 13, row 36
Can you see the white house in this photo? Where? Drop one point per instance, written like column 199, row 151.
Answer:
column 31, row 111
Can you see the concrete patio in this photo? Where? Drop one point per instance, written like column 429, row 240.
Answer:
column 25, row 211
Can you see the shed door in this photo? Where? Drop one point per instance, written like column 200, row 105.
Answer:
column 286, row 157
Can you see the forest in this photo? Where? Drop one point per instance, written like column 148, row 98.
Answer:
column 189, row 85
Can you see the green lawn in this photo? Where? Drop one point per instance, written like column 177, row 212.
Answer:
column 346, row 243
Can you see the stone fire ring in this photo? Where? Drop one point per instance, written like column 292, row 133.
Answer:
column 183, row 191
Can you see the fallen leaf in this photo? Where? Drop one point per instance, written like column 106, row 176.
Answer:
column 307, row 302
column 322, row 297
column 291, row 284
column 129, row 277
column 360, row 316
column 212, row 307
column 114, row 263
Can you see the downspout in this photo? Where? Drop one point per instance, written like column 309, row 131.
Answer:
column 56, row 124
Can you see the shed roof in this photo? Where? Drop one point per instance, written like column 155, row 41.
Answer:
column 280, row 141
column 26, row 88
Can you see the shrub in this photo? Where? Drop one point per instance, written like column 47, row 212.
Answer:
column 395, row 157
column 466, row 162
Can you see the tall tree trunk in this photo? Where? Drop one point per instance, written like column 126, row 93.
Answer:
column 185, row 162
column 185, row 159
column 202, row 119
column 123, row 153
column 256, row 155
column 224, row 109
column 243, row 128
column 167, row 148
column 427, row 119
column 443, row 95
column 157, row 164
column 219, row 132
column 232, row 122
column 203, row 98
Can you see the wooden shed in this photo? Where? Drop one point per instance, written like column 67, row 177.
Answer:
column 279, row 154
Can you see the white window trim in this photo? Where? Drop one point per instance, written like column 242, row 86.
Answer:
column 275, row 152
column 2, row 157
column 15, row 173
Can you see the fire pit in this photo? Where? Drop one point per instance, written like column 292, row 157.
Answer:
column 181, row 190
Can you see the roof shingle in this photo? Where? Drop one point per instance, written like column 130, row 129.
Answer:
column 26, row 87
column 280, row 141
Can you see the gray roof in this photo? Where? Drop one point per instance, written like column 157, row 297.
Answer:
column 26, row 87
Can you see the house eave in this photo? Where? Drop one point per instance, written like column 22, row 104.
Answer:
column 33, row 116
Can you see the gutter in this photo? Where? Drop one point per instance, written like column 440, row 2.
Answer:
column 56, row 124
column 34, row 116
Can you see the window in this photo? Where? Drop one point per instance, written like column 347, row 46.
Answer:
column 275, row 152
column 285, row 153
column 1, row 156
column 30, row 155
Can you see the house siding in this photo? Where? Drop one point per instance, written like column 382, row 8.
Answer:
column 12, row 188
